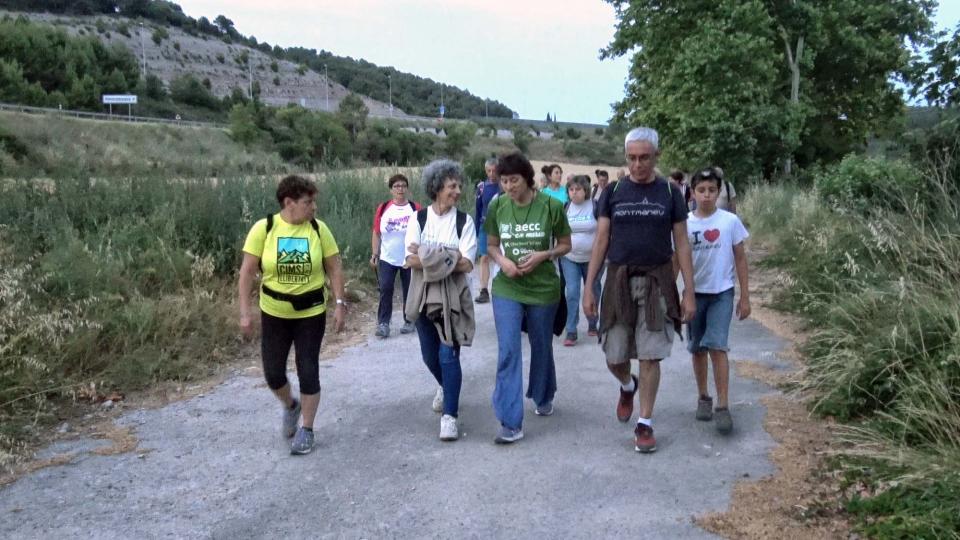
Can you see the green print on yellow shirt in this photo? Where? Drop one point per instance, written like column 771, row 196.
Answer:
column 293, row 260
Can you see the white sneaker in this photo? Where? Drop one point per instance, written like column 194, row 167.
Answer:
column 448, row 428
column 438, row 400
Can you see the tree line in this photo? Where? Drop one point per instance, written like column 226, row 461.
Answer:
column 413, row 94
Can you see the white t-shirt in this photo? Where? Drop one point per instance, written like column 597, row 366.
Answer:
column 584, row 230
column 443, row 230
column 392, row 225
column 712, row 240
column 727, row 192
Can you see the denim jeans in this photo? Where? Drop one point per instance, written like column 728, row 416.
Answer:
column 387, row 277
column 443, row 361
column 574, row 274
column 508, row 391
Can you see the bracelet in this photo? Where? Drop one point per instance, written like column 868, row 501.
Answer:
column 341, row 302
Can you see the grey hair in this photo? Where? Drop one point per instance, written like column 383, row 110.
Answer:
column 581, row 180
column 642, row 134
column 437, row 172
column 492, row 161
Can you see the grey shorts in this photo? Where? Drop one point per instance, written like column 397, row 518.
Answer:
column 621, row 343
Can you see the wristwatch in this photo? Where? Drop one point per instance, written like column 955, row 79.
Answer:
column 341, row 302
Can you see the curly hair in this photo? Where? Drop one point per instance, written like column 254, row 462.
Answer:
column 294, row 186
column 437, row 172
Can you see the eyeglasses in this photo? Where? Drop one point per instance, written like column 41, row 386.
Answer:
column 402, row 186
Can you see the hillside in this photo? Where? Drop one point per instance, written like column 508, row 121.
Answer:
column 174, row 44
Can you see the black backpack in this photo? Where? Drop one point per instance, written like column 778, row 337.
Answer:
column 313, row 223
column 461, row 220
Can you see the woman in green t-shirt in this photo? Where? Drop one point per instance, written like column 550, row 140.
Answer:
column 526, row 232
column 295, row 254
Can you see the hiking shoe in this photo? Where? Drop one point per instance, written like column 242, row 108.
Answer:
column 724, row 420
column 570, row 340
column 302, row 443
column 508, row 435
column 407, row 328
column 483, row 297
column 592, row 329
column 644, row 442
column 448, row 428
column 544, row 410
column 437, row 405
column 705, row 408
column 383, row 330
column 290, row 418
column 625, row 405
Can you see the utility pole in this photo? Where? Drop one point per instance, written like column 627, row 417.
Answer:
column 442, row 108
column 486, row 108
column 250, row 76
column 326, row 85
column 143, row 55
column 390, row 83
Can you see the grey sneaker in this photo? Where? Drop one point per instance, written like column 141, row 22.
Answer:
column 290, row 418
column 448, row 428
column 302, row 442
column 544, row 410
column 437, row 405
column 705, row 408
column 383, row 330
column 724, row 420
column 483, row 297
column 407, row 328
column 508, row 435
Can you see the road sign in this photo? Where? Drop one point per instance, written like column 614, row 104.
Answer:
column 119, row 99
column 442, row 110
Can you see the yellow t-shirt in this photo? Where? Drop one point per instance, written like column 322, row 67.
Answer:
column 292, row 260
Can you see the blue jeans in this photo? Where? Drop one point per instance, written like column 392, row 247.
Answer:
column 443, row 361
column 508, row 391
column 710, row 327
column 574, row 274
column 387, row 277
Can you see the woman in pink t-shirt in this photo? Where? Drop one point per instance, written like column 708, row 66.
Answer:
column 390, row 223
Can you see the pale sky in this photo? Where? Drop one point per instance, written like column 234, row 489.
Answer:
column 535, row 56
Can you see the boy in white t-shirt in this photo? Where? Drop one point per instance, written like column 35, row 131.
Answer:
column 716, row 238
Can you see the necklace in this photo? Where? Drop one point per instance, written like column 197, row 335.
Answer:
column 513, row 210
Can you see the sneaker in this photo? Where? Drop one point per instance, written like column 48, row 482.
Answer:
column 644, row 441
column 724, row 420
column 625, row 405
column 544, row 410
column 592, row 330
column 448, row 428
column 438, row 401
column 483, row 297
column 705, row 408
column 383, row 330
column 570, row 340
column 407, row 328
column 290, row 418
column 508, row 435
column 302, row 443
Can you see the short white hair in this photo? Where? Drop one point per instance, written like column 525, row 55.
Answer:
column 642, row 134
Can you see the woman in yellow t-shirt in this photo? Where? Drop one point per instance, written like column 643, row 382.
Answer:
column 294, row 253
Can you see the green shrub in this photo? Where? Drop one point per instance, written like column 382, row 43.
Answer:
column 862, row 183
column 159, row 34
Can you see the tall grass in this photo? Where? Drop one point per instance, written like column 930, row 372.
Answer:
column 881, row 291
column 127, row 281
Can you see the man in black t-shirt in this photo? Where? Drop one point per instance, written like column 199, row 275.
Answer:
column 642, row 221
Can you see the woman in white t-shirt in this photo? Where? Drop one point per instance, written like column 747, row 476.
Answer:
column 582, row 216
column 443, row 225
column 390, row 222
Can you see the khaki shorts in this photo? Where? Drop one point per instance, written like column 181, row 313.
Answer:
column 621, row 343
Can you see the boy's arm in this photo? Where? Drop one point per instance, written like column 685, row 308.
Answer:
column 740, row 262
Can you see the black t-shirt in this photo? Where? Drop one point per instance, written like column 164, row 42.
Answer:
column 641, row 220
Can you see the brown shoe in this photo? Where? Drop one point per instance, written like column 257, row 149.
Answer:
column 644, row 443
column 625, row 405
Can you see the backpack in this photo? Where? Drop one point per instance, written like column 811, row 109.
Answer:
column 313, row 223
column 461, row 220
column 382, row 207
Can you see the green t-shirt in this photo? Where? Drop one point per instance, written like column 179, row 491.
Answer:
column 292, row 260
column 521, row 230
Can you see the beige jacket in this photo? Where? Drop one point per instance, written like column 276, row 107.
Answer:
column 441, row 295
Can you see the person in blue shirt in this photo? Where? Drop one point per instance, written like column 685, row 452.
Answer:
column 555, row 187
column 487, row 190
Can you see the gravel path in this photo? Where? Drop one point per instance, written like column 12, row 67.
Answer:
column 217, row 467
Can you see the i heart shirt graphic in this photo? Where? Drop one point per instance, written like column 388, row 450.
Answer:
column 711, row 234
